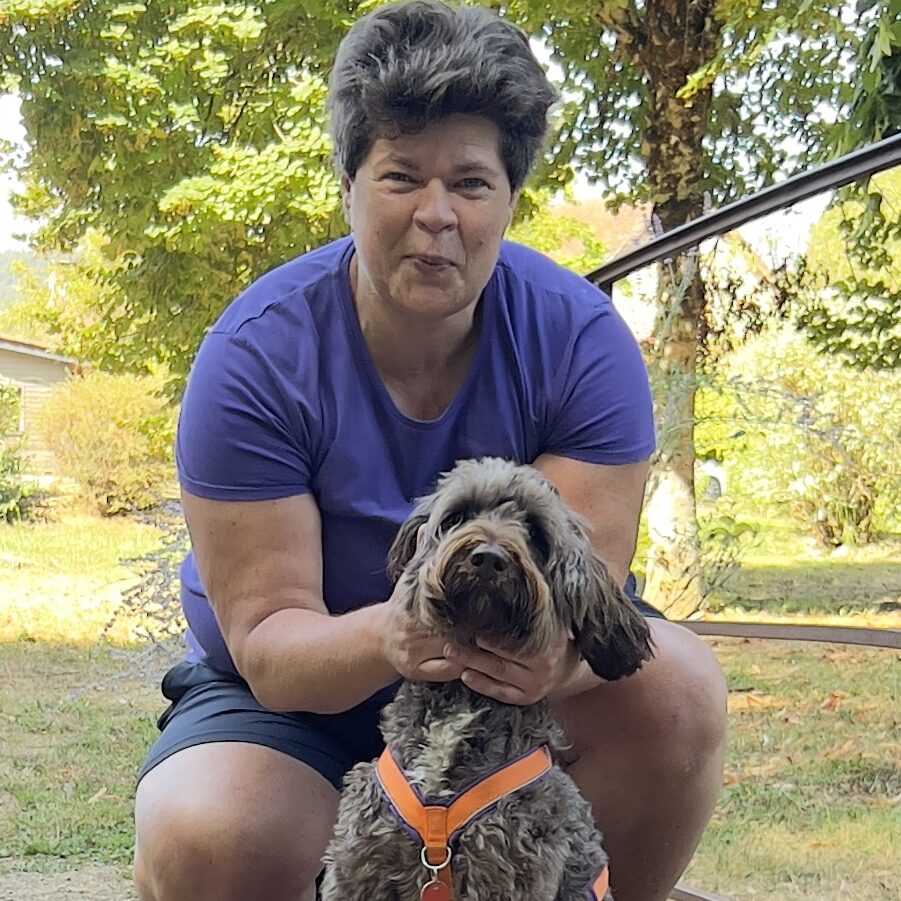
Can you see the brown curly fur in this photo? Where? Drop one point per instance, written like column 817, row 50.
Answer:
column 539, row 843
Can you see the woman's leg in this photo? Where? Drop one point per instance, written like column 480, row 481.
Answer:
column 647, row 752
column 231, row 821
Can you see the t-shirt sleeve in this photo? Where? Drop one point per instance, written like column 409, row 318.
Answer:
column 603, row 411
column 241, row 433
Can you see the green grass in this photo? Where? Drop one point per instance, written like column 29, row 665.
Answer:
column 77, row 546
column 62, row 581
column 73, row 736
column 813, row 775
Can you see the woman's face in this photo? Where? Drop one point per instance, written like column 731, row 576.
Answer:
column 428, row 212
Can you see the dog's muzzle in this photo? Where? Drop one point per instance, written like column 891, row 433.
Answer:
column 487, row 561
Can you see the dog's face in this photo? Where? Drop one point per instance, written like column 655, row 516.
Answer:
column 495, row 553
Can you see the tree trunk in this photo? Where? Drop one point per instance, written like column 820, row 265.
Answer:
column 673, row 581
column 680, row 36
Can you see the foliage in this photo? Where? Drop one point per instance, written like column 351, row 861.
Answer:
column 798, row 429
column 15, row 492
column 776, row 72
column 14, row 489
column 875, row 111
column 10, row 400
column 850, row 297
column 189, row 133
column 9, row 283
column 555, row 232
column 725, row 539
column 113, row 435
column 72, row 305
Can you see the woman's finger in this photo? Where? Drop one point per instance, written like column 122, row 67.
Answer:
column 503, row 669
column 492, row 688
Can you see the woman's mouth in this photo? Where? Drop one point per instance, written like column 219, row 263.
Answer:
column 432, row 263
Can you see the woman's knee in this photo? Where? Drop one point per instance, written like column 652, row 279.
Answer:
column 194, row 843
column 671, row 714
column 685, row 699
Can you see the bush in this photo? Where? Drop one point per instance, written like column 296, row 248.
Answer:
column 113, row 435
column 798, row 429
column 15, row 493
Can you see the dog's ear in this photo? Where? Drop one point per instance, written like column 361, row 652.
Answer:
column 404, row 546
column 611, row 634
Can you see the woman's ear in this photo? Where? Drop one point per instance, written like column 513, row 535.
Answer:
column 346, row 188
column 514, row 199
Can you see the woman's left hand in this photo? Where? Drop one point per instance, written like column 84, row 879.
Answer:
column 498, row 674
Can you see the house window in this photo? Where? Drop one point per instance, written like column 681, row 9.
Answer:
column 12, row 409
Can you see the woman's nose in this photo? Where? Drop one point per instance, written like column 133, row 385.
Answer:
column 435, row 208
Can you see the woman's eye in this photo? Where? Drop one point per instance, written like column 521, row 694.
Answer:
column 452, row 520
column 472, row 184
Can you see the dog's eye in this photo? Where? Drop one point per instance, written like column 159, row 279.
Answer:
column 539, row 541
column 451, row 521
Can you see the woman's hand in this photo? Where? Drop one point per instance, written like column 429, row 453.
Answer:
column 414, row 652
column 510, row 679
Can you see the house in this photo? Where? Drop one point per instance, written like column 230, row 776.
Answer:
column 31, row 371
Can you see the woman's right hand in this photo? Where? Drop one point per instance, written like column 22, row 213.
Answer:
column 413, row 651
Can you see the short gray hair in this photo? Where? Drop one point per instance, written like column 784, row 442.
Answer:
column 408, row 64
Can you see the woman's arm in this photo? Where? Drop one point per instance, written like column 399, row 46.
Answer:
column 261, row 565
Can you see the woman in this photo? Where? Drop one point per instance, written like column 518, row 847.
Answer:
column 324, row 401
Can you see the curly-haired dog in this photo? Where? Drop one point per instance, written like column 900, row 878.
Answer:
column 495, row 553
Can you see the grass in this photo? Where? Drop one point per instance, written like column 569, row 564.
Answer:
column 81, row 545
column 62, row 581
column 813, row 776
column 74, row 733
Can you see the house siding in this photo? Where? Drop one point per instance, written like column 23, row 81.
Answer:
column 35, row 374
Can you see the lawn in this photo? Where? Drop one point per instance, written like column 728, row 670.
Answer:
column 813, row 778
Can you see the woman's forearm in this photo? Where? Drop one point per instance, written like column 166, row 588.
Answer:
column 299, row 659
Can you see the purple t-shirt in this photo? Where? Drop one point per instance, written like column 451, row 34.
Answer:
column 284, row 399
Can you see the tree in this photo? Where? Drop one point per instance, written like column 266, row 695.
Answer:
column 188, row 134
column 683, row 104
column 556, row 232
column 852, row 294
column 849, row 299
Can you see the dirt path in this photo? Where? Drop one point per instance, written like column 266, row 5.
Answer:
column 93, row 882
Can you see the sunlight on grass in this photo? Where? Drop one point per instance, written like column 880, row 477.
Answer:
column 813, row 775
column 63, row 581
column 77, row 546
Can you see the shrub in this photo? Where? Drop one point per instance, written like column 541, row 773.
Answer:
column 15, row 492
column 10, row 399
column 798, row 429
column 113, row 435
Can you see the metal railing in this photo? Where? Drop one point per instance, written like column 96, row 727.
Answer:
column 840, row 172
column 835, row 174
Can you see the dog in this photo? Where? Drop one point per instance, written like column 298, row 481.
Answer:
column 493, row 553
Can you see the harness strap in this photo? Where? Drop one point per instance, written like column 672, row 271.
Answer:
column 436, row 824
column 601, row 884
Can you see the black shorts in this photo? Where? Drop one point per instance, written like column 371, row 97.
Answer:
column 211, row 706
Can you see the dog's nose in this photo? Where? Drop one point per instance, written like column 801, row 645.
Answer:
column 487, row 559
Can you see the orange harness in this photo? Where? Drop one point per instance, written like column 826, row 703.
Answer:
column 438, row 826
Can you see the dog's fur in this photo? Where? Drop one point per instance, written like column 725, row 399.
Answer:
column 494, row 553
